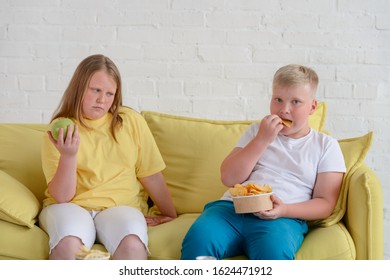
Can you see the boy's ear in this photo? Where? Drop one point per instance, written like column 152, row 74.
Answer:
column 313, row 106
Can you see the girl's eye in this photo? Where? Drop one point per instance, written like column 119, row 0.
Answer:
column 278, row 100
column 295, row 102
column 110, row 94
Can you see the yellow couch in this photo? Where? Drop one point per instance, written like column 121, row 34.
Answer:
column 193, row 150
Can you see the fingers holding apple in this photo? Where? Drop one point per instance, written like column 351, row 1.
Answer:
column 60, row 127
column 65, row 136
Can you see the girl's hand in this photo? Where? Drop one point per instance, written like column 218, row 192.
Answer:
column 157, row 220
column 277, row 211
column 68, row 146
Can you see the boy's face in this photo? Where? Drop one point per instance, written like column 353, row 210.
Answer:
column 295, row 104
column 99, row 96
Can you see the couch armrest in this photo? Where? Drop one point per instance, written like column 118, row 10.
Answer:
column 364, row 214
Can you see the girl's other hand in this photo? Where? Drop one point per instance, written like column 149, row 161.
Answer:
column 157, row 220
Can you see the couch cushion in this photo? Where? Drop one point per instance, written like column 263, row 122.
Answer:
column 163, row 245
column 330, row 243
column 193, row 150
column 19, row 242
column 354, row 151
column 20, row 155
column 18, row 205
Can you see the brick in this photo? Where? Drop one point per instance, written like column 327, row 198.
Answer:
column 31, row 83
column 199, row 36
column 197, row 88
column 169, row 52
column 272, row 55
column 233, row 20
column 8, row 82
column 191, row 70
column 33, row 33
column 225, row 54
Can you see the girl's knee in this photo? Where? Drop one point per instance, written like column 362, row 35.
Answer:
column 66, row 248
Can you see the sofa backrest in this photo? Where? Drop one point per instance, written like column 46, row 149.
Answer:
column 20, row 155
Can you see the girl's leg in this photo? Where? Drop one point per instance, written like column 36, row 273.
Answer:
column 276, row 239
column 215, row 233
column 123, row 231
column 68, row 226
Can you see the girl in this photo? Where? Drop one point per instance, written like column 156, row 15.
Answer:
column 100, row 173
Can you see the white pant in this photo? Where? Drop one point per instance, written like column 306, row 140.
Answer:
column 107, row 227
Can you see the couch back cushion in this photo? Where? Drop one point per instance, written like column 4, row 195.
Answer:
column 20, row 155
column 193, row 150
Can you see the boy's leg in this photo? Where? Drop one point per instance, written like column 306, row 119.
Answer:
column 215, row 233
column 276, row 239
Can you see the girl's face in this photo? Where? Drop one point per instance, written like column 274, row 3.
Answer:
column 295, row 104
column 98, row 96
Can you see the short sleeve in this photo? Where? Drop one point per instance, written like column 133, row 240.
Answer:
column 332, row 159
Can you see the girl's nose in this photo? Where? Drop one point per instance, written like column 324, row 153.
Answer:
column 100, row 98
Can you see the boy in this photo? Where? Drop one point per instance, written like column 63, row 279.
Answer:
column 305, row 169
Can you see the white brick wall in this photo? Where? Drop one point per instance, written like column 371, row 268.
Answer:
column 205, row 58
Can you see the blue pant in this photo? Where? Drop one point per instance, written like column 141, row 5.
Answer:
column 221, row 233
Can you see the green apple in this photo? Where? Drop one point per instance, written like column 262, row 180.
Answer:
column 60, row 123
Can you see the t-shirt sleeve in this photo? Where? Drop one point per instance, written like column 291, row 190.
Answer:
column 248, row 135
column 150, row 160
column 332, row 159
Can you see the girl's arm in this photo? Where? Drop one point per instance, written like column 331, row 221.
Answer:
column 156, row 187
column 63, row 185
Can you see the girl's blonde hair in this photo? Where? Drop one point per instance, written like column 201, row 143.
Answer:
column 296, row 75
column 71, row 102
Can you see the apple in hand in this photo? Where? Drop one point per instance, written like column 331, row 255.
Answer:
column 61, row 123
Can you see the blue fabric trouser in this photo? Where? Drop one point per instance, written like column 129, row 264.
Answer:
column 221, row 233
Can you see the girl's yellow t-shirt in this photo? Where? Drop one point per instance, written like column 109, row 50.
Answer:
column 107, row 170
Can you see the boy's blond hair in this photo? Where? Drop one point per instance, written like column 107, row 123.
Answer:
column 295, row 75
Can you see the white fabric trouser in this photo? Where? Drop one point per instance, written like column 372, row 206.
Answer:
column 107, row 227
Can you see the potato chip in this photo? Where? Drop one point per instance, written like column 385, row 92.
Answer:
column 286, row 122
column 86, row 254
column 249, row 189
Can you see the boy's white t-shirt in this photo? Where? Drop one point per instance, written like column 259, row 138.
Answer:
column 290, row 166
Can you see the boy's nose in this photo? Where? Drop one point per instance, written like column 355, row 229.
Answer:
column 285, row 108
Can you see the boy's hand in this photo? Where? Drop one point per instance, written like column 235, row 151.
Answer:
column 270, row 126
column 276, row 212
column 68, row 146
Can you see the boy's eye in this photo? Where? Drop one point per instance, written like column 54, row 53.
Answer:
column 278, row 100
column 295, row 102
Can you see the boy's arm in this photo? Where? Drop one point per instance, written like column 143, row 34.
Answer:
column 239, row 164
column 325, row 195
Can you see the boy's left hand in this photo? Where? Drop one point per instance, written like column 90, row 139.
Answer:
column 157, row 220
column 275, row 212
